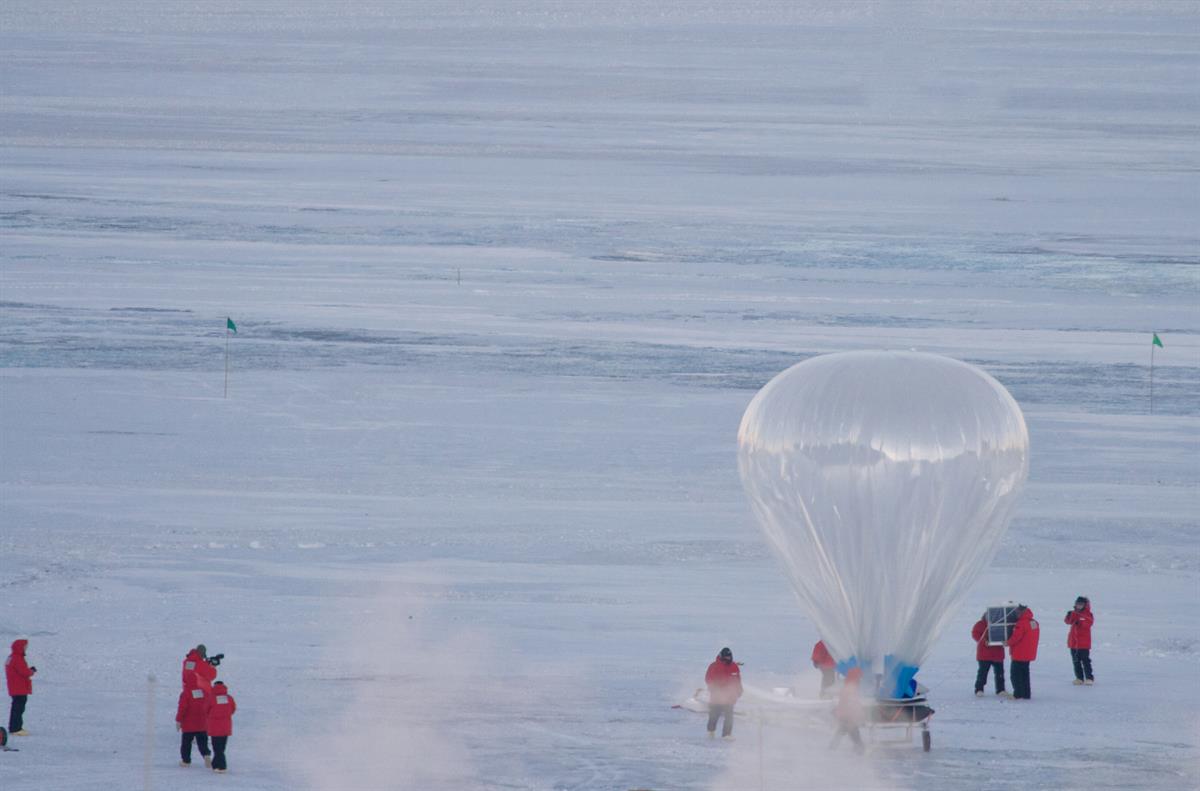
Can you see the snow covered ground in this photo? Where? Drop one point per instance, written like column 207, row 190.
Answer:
column 505, row 278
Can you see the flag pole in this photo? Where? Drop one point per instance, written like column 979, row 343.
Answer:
column 227, row 365
column 148, row 758
column 1154, row 338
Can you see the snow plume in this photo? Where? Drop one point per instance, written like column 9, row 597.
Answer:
column 792, row 752
column 394, row 683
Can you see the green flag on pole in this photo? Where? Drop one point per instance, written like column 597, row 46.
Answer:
column 1157, row 342
column 229, row 325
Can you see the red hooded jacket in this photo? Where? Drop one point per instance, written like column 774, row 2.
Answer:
column 821, row 658
column 983, row 651
column 205, row 673
column 724, row 681
column 220, row 712
column 1080, row 633
column 17, row 671
column 1023, row 644
column 194, row 701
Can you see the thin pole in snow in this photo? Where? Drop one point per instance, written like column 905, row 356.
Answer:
column 762, row 782
column 460, row 275
column 1152, row 374
column 147, row 776
column 226, row 362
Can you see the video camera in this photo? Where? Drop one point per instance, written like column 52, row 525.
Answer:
column 216, row 659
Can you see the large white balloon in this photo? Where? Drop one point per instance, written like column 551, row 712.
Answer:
column 884, row 482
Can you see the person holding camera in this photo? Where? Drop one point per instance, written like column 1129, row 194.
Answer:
column 19, row 675
column 197, row 661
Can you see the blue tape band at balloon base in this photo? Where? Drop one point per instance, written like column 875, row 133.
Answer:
column 844, row 667
column 898, row 678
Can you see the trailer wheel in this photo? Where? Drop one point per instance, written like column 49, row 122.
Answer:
column 926, row 740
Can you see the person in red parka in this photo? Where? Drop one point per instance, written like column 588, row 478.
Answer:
column 220, row 723
column 849, row 712
column 1022, row 649
column 197, row 662
column 724, row 680
column 1079, row 639
column 19, row 675
column 191, row 719
column 989, row 657
column 822, row 660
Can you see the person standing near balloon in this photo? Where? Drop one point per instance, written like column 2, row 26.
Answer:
column 1022, row 649
column 989, row 657
column 724, row 680
column 1079, row 639
column 822, row 660
column 850, row 713
column 18, row 674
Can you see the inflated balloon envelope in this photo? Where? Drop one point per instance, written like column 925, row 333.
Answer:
column 884, row 482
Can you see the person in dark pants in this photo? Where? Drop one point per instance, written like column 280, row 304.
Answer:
column 220, row 723
column 849, row 713
column 16, row 715
column 1022, row 648
column 724, row 680
column 191, row 719
column 822, row 660
column 18, row 674
column 989, row 657
column 1079, row 639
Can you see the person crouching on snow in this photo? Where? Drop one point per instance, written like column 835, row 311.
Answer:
column 1022, row 649
column 822, row 660
column 989, row 657
column 19, row 676
column 1079, row 639
column 191, row 719
column 724, row 680
column 850, row 713
column 220, row 723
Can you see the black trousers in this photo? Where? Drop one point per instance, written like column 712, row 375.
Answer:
column 185, row 746
column 16, row 714
column 828, row 676
column 1020, row 680
column 848, row 730
column 219, row 751
column 715, row 712
column 1082, row 659
column 997, row 669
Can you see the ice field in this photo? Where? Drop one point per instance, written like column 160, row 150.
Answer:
column 505, row 278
